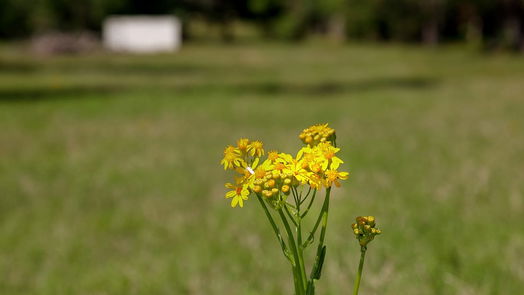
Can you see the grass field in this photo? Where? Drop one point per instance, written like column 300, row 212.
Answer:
column 110, row 180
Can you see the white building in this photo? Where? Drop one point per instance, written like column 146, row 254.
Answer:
column 142, row 34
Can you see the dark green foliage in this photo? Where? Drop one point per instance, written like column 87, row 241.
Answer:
column 497, row 23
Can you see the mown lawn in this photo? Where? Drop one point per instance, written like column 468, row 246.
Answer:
column 110, row 180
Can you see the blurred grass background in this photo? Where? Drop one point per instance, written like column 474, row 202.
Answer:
column 110, row 180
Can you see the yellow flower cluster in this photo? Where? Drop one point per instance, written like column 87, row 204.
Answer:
column 316, row 134
column 365, row 230
column 315, row 165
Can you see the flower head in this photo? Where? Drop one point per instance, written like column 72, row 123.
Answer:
column 316, row 134
column 238, row 192
column 365, row 230
column 330, row 159
column 280, row 174
column 243, row 144
column 332, row 176
column 231, row 158
column 256, row 148
column 272, row 156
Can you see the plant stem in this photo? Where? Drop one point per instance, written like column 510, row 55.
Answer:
column 325, row 208
column 290, row 214
column 360, row 267
column 324, row 219
column 299, row 245
column 298, row 273
column 310, row 203
column 275, row 229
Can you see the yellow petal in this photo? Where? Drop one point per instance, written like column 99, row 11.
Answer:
column 234, row 202
column 255, row 163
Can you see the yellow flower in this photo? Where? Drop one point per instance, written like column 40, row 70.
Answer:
column 315, row 181
column 329, row 151
column 332, row 176
column 311, row 158
column 231, row 158
column 294, row 168
column 256, row 148
column 315, row 165
column 272, row 156
column 243, row 144
column 316, row 134
column 247, row 171
column 239, row 193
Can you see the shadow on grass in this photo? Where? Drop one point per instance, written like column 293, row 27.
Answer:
column 54, row 93
column 333, row 88
column 118, row 67
column 19, row 94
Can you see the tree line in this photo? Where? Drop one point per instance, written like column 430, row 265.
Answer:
column 487, row 23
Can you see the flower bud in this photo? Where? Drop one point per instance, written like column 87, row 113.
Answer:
column 365, row 230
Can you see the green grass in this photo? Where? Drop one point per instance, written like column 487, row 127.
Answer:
column 110, row 180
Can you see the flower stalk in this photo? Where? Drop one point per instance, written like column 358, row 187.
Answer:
column 360, row 268
column 365, row 231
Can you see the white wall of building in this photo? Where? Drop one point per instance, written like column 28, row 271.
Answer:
column 142, row 34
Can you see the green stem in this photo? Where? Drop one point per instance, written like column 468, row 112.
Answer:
column 298, row 273
column 307, row 195
column 290, row 214
column 360, row 267
column 310, row 203
column 275, row 229
column 299, row 246
column 324, row 219
column 323, row 211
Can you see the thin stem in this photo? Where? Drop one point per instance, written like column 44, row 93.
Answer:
column 305, row 197
column 290, row 215
column 310, row 203
column 300, row 249
column 315, row 273
column 300, row 274
column 301, row 252
column 275, row 228
column 291, row 205
column 294, row 192
column 360, row 267
column 325, row 207
column 324, row 219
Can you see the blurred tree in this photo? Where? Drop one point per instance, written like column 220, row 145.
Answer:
column 14, row 18
column 265, row 14
column 331, row 16
column 432, row 12
column 491, row 23
column 512, row 27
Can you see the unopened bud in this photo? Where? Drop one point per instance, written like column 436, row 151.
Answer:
column 364, row 229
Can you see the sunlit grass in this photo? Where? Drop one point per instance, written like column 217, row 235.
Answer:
column 110, row 180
